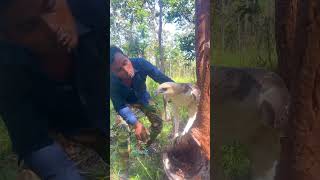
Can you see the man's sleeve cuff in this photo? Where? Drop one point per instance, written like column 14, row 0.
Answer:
column 128, row 115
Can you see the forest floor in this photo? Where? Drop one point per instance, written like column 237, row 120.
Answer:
column 144, row 165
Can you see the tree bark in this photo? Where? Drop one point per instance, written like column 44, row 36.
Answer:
column 201, row 127
column 239, row 34
column 161, row 60
column 222, row 24
column 298, row 37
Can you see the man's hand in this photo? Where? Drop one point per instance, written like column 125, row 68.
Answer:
column 141, row 132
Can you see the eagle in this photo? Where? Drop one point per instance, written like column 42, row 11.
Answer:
column 180, row 95
column 250, row 107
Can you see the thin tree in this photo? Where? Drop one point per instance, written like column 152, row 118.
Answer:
column 161, row 60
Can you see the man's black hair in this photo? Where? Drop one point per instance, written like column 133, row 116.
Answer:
column 113, row 51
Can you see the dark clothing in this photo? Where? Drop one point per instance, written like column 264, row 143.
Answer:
column 91, row 14
column 31, row 103
column 91, row 76
column 59, row 168
column 121, row 95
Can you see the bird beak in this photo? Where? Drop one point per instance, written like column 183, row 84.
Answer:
column 157, row 92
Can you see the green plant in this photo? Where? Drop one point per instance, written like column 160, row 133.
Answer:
column 235, row 160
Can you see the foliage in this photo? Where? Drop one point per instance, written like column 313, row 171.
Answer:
column 235, row 160
column 134, row 28
column 180, row 12
column 8, row 161
column 245, row 28
column 187, row 45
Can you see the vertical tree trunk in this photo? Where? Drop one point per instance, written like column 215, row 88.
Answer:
column 161, row 60
column 222, row 24
column 298, row 37
column 170, row 68
column 239, row 34
column 246, row 26
column 268, row 40
column 201, row 130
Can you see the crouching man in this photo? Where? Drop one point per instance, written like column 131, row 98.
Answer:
column 128, row 88
column 48, row 49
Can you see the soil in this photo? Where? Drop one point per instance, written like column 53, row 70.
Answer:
column 187, row 162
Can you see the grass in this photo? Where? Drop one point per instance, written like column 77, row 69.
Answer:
column 8, row 161
column 142, row 165
column 245, row 58
column 235, row 160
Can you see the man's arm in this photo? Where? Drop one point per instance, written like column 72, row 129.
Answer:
column 155, row 73
column 129, row 116
column 123, row 110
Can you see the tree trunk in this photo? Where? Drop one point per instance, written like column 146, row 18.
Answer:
column 246, row 25
column 239, row 34
column 170, row 68
column 222, row 25
column 268, row 24
column 201, row 130
column 161, row 60
column 298, row 36
column 191, row 152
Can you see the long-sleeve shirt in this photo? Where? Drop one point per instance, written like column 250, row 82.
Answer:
column 121, row 95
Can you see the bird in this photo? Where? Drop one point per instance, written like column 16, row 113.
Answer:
column 180, row 95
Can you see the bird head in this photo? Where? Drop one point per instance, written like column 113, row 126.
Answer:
column 167, row 88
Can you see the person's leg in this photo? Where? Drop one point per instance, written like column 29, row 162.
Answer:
column 51, row 162
column 123, row 144
column 69, row 117
column 153, row 115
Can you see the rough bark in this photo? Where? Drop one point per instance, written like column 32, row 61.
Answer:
column 201, row 130
column 298, row 37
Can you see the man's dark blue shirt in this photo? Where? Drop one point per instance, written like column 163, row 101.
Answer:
column 121, row 95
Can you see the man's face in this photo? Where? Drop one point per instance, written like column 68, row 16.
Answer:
column 122, row 66
column 35, row 24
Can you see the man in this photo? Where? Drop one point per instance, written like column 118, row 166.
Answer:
column 45, row 81
column 128, row 87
